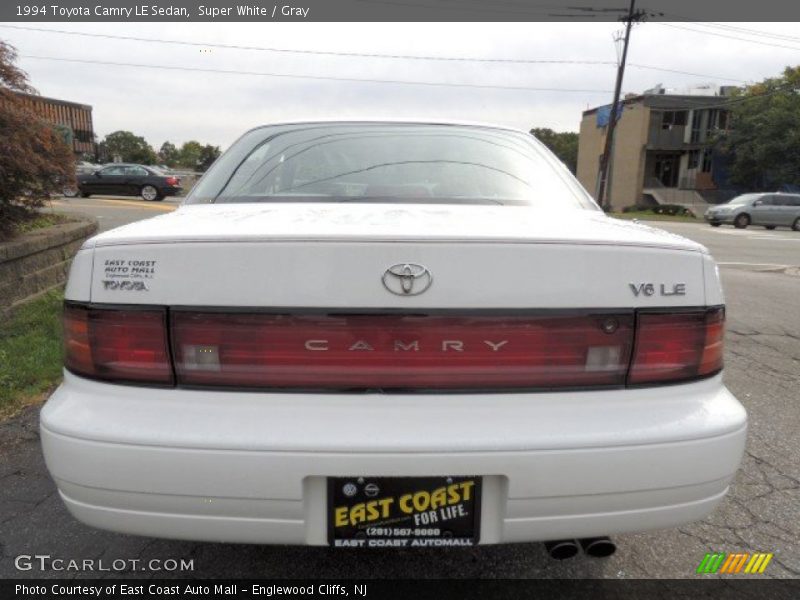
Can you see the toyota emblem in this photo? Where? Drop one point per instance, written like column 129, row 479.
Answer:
column 407, row 279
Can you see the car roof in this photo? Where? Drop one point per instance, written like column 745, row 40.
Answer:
column 126, row 165
column 387, row 121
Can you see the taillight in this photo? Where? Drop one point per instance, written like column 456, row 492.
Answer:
column 677, row 346
column 392, row 351
column 173, row 181
column 120, row 345
column 369, row 352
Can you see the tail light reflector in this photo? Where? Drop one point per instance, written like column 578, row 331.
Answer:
column 124, row 345
column 173, row 181
column 385, row 351
column 675, row 346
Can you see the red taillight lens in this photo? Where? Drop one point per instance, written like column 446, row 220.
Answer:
column 392, row 351
column 173, row 181
column 125, row 345
column 676, row 346
column 366, row 351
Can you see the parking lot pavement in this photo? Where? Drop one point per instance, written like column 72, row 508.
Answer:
column 761, row 513
column 114, row 211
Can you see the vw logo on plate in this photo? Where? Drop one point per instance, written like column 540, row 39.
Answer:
column 407, row 279
column 349, row 490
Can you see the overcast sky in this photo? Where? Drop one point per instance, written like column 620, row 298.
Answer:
column 216, row 108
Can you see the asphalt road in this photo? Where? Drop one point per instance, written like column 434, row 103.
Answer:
column 761, row 513
column 113, row 211
column 750, row 249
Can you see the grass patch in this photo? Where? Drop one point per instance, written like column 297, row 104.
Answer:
column 646, row 215
column 18, row 223
column 41, row 221
column 30, row 352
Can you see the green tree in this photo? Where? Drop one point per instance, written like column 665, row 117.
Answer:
column 763, row 141
column 35, row 161
column 168, row 154
column 189, row 154
column 564, row 144
column 208, row 155
column 129, row 147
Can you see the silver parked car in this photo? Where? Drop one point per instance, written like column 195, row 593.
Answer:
column 769, row 210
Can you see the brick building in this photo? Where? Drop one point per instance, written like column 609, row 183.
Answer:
column 74, row 118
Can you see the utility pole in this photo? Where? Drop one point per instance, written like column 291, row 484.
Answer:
column 602, row 175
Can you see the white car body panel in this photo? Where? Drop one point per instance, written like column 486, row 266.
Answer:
column 332, row 256
column 251, row 465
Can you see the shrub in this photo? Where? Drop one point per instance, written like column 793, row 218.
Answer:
column 661, row 209
column 672, row 210
column 35, row 160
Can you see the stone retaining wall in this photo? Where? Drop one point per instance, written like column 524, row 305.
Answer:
column 39, row 261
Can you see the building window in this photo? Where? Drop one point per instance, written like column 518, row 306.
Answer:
column 666, row 169
column 697, row 120
column 83, row 136
column 711, row 123
column 673, row 118
column 707, row 160
column 722, row 122
column 694, row 159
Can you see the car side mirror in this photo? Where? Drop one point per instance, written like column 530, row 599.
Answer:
column 758, row 202
column 97, row 174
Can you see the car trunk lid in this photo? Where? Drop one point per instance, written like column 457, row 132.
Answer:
column 353, row 256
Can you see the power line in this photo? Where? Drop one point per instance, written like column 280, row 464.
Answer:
column 316, row 77
column 753, row 32
column 664, row 69
column 313, row 52
column 730, row 27
column 544, row 61
column 552, row 10
column 730, row 37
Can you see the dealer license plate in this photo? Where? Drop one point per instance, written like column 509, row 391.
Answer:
column 399, row 512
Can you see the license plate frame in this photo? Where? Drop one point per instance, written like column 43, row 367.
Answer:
column 400, row 512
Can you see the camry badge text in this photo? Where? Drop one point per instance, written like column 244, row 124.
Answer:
column 401, row 346
column 407, row 279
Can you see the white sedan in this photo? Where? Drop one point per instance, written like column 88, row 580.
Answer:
column 365, row 334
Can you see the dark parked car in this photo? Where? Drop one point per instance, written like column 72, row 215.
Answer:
column 123, row 179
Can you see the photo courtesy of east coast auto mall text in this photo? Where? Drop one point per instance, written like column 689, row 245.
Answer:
column 390, row 300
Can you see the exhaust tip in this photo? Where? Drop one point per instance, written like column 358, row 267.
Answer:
column 561, row 549
column 598, row 547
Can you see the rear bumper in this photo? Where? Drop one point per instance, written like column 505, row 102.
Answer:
column 171, row 191
column 251, row 467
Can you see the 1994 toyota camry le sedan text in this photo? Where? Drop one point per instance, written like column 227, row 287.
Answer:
column 391, row 334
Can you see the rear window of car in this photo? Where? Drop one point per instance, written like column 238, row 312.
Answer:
column 377, row 162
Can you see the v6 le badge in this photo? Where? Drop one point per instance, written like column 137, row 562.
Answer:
column 663, row 289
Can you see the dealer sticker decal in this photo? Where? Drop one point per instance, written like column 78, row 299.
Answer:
column 128, row 274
